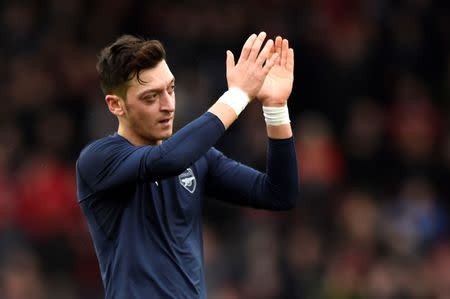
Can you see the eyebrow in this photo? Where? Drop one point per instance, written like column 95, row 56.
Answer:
column 144, row 92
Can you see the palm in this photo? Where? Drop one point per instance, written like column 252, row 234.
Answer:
column 278, row 84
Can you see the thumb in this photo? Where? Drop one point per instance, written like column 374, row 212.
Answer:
column 230, row 61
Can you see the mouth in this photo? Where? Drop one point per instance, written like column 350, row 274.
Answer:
column 165, row 121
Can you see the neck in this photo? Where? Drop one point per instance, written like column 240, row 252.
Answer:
column 134, row 138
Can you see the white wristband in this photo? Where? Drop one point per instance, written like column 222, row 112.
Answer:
column 236, row 98
column 275, row 116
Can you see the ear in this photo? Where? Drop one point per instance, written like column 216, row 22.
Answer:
column 115, row 104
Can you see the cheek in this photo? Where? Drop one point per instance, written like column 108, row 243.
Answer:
column 141, row 116
column 146, row 115
column 145, row 111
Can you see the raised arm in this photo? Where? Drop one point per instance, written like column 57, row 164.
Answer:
column 277, row 189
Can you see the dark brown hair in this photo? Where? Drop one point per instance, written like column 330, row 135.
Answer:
column 125, row 58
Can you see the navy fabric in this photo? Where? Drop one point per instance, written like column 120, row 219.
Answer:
column 143, row 205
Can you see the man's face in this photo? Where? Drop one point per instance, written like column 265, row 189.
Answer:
column 150, row 105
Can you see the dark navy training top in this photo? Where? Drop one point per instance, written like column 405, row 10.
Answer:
column 143, row 205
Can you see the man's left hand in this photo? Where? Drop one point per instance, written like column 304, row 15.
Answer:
column 278, row 84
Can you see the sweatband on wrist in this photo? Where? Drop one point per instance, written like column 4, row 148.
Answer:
column 236, row 98
column 275, row 116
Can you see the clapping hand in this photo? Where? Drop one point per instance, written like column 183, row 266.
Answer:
column 278, row 83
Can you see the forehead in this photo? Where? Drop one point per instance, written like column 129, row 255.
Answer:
column 158, row 77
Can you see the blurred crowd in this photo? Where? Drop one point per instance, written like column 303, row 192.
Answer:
column 371, row 116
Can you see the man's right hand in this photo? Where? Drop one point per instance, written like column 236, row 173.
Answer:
column 253, row 65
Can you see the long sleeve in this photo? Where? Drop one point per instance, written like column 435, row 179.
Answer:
column 113, row 161
column 277, row 189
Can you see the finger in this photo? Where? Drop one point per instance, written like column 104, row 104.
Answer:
column 272, row 51
column 257, row 46
column 247, row 47
column 278, row 59
column 290, row 60
column 277, row 47
column 265, row 52
column 230, row 61
column 270, row 63
column 284, row 52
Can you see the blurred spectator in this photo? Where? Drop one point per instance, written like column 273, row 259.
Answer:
column 46, row 203
column 357, row 220
column 391, row 279
column 364, row 137
column 319, row 156
column 303, row 253
column 9, row 153
column 414, row 219
column 381, row 282
column 415, row 123
column 262, row 276
column 438, row 271
column 343, row 274
column 20, row 275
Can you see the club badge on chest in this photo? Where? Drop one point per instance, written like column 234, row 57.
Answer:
column 187, row 180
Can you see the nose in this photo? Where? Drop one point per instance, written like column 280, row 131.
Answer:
column 167, row 102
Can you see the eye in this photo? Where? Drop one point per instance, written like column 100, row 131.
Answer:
column 171, row 89
column 150, row 97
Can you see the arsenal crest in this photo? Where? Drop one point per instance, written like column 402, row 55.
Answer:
column 187, row 180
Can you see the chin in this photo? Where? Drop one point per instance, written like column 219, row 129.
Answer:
column 165, row 135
